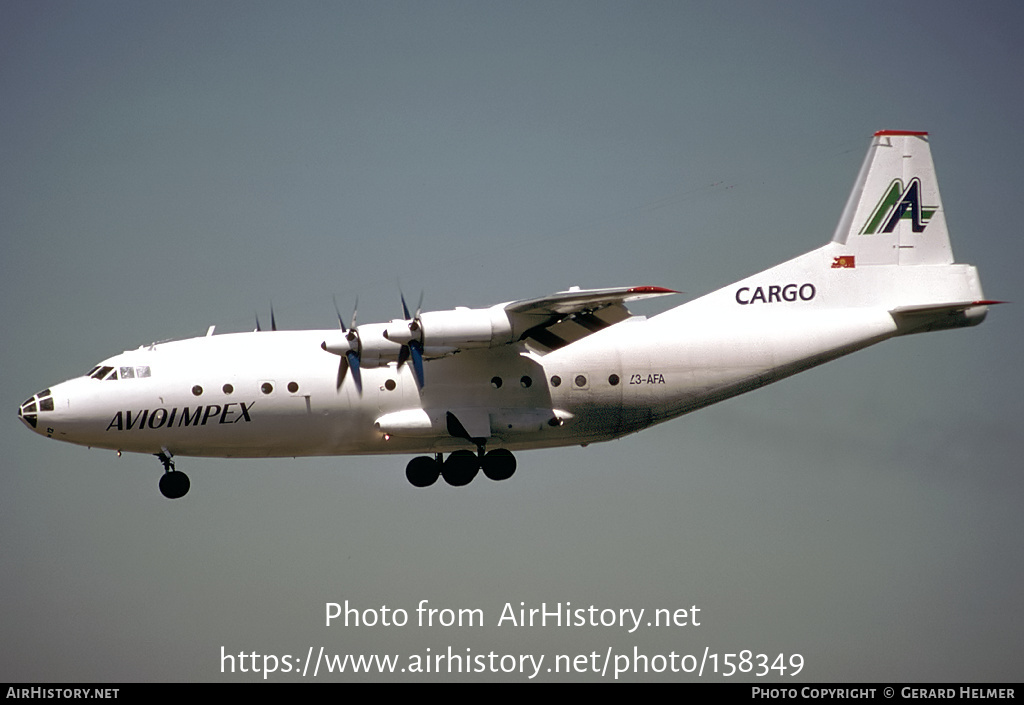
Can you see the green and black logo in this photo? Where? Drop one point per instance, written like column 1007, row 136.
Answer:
column 897, row 204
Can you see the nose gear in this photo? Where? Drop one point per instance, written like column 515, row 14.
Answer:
column 174, row 484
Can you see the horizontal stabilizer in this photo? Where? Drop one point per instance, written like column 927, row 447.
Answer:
column 934, row 309
column 932, row 317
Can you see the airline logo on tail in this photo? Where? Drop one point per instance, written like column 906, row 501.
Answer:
column 899, row 204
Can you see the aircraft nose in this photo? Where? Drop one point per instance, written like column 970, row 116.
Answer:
column 31, row 408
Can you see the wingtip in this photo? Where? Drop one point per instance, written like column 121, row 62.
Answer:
column 897, row 133
column 651, row 290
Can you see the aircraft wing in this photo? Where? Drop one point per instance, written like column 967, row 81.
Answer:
column 577, row 300
column 554, row 321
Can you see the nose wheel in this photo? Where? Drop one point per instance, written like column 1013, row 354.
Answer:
column 174, row 484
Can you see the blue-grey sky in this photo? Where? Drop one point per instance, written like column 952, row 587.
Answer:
column 168, row 166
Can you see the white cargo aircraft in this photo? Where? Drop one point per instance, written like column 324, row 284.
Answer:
column 571, row 368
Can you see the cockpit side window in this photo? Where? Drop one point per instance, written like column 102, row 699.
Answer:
column 127, row 373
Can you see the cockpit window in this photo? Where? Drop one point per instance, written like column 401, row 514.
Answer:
column 107, row 372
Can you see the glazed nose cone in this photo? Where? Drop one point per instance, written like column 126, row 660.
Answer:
column 33, row 411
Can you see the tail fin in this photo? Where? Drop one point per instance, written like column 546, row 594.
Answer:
column 894, row 214
column 890, row 253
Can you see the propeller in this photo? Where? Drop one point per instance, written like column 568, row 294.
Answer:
column 414, row 349
column 273, row 322
column 350, row 360
column 409, row 342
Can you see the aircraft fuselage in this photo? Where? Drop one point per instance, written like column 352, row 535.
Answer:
column 571, row 368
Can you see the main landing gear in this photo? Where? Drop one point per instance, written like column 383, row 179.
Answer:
column 173, row 483
column 461, row 467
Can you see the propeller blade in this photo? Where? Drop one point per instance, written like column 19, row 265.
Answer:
column 353, row 361
column 405, row 309
column 273, row 322
column 337, row 311
column 258, row 328
column 342, row 371
column 416, row 350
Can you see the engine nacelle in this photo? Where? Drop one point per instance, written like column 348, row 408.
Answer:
column 447, row 332
column 466, row 329
column 441, row 332
column 373, row 348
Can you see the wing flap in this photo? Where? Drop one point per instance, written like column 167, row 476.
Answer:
column 577, row 300
column 560, row 319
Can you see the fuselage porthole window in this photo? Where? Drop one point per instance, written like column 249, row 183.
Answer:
column 266, row 387
column 228, row 388
column 197, row 390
